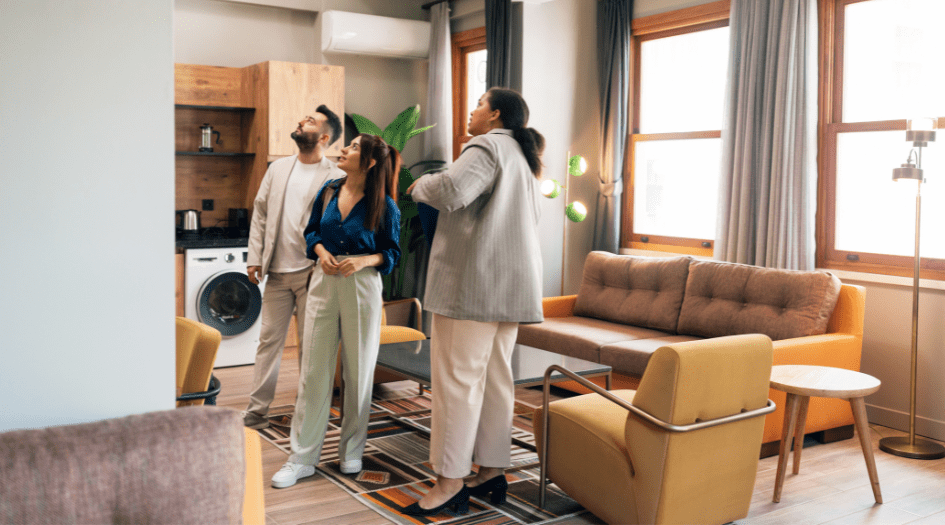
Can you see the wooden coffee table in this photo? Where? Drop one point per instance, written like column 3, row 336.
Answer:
column 800, row 382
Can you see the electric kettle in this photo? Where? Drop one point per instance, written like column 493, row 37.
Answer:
column 206, row 137
column 189, row 221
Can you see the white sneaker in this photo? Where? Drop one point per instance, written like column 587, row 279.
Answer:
column 350, row 467
column 290, row 473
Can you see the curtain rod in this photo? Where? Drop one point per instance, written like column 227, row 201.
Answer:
column 428, row 5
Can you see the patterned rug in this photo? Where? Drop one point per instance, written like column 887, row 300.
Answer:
column 397, row 471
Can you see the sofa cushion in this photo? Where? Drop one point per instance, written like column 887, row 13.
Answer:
column 638, row 291
column 630, row 357
column 579, row 337
column 729, row 299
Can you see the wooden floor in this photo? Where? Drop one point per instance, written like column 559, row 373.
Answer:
column 832, row 486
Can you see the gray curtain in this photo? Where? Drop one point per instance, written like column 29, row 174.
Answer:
column 613, row 65
column 437, row 141
column 766, row 192
column 499, row 43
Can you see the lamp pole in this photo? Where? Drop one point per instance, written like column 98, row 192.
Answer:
column 911, row 447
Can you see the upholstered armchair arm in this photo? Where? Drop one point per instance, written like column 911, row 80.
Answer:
column 562, row 306
column 403, row 312
column 636, row 411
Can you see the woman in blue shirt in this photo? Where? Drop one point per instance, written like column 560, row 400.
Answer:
column 352, row 236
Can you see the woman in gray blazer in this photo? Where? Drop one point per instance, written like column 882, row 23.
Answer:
column 484, row 279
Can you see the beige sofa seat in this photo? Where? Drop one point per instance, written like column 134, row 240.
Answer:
column 632, row 356
column 580, row 337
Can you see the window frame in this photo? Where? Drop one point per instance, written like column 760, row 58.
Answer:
column 830, row 125
column 689, row 20
column 463, row 43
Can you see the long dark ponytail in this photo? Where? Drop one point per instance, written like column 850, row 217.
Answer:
column 513, row 111
column 380, row 180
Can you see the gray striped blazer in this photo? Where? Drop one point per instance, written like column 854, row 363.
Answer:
column 485, row 262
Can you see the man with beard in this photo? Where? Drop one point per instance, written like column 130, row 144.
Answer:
column 277, row 249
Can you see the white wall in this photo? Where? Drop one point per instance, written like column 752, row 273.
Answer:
column 86, row 324
column 218, row 33
column 887, row 352
column 559, row 82
column 643, row 8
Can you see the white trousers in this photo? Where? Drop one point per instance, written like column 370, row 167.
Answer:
column 473, row 395
column 285, row 294
column 346, row 309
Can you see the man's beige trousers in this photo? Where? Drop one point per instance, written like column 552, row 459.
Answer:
column 473, row 394
column 346, row 309
column 285, row 294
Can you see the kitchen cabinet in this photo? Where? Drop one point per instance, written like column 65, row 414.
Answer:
column 255, row 109
column 179, row 283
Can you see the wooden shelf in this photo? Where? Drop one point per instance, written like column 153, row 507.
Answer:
column 222, row 108
column 214, row 154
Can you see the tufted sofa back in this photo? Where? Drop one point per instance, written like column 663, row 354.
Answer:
column 637, row 291
column 726, row 298
column 685, row 296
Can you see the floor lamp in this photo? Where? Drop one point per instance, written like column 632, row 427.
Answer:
column 574, row 211
column 920, row 132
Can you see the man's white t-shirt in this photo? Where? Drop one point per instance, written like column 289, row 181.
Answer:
column 289, row 253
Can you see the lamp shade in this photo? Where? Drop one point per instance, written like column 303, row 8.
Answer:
column 577, row 165
column 550, row 188
column 921, row 131
column 908, row 171
column 576, row 211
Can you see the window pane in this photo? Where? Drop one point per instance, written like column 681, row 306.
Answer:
column 475, row 81
column 876, row 214
column 675, row 184
column 682, row 81
column 893, row 53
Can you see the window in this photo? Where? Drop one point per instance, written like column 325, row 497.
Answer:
column 680, row 62
column 883, row 65
column 469, row 81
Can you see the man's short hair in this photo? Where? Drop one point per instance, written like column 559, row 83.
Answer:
column 334, row 123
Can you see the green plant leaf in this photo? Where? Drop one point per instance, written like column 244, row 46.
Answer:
column 396, row 133
column 364, row 125
column 416, row 132
column 404, row 180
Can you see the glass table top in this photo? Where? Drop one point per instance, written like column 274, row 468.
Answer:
column 412, row 359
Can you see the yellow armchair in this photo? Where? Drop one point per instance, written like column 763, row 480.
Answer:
column 197, row 346
column 683, row 448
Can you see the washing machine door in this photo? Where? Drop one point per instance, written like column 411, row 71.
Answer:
column 229, row 302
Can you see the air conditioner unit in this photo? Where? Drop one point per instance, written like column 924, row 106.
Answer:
column 344, row 32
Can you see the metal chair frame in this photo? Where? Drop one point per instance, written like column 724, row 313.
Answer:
column 210, row 395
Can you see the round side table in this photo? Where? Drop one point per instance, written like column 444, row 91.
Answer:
column 800, row 382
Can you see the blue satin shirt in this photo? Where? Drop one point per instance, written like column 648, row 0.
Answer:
column 349, row 237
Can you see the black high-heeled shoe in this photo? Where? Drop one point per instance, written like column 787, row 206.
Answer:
column 459, row 502
column 498, row 486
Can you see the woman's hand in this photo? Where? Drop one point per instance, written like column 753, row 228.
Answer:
column 410, row 189
column 351, row 265
column 326, row 260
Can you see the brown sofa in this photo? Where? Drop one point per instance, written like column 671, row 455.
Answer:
column 190, row 465
column 628, row 306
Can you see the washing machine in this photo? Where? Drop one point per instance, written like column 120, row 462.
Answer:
column 219, row 294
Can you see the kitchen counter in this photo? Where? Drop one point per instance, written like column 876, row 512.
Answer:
column 212, row 242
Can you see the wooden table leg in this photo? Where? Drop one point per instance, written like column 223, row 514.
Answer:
column 803, row 401
column 791, row 407
column 863, row 430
